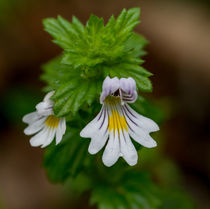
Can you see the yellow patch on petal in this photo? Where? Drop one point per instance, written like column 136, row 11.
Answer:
column 117, row 122
column 52, row 121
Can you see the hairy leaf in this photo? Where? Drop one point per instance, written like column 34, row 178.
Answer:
column 92, row 52
column 65, row 159
column 73, row 92
column 135, row 191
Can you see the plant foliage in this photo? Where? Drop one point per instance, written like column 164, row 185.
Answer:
column 92, row 52
column 65, row 159
column 135, row 191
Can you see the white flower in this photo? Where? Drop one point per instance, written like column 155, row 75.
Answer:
column 44, row 124
column 117, row 122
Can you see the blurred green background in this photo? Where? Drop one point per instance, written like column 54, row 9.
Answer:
column 178, row 56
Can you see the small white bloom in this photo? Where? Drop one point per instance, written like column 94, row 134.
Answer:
column 118, row 122
column 44, row 124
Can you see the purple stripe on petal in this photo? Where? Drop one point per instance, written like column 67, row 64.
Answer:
column 130, row 111
column 103, row 118
column 100, row 114
column 130, row 118
column 125, row 113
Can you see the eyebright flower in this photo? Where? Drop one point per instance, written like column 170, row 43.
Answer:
column 44, row 124
column 117, row 122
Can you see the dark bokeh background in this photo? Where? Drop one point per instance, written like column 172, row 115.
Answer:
column 178, row 56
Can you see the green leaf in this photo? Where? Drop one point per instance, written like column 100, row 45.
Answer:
column 73, row 91
column 91, row 53
column 94, row 44
column 78, row 25
column 64, row 33
column 68, row 98
column 94, row 25
column 67, row 158
column 127, row 20
column 135, row 190
column 56, row 73
column 142, row 82
column 135, row 44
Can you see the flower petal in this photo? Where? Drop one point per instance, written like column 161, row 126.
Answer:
column 97, row 143
column 39, row 138
column 63, row 127
column 110, row 85
column 48, row 95
column 127, row 148
column 59, row 134
column 99, row 124
column 35, row 126
column 128, row 85
column 50, row 137
column 31, row 129
column 138, row 129
column 30, row 117
column 130, row 98
column 45, row 108
column 143, row 122
column 141, row 137
column 60, row 130
column 97, row 130
column 112, row 150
